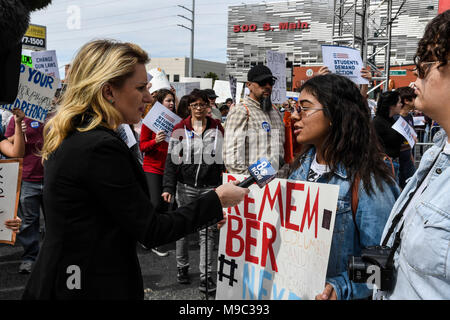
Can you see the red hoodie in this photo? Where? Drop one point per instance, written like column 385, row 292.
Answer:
column 154, row 154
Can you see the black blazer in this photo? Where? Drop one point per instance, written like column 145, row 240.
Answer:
column 97, row 209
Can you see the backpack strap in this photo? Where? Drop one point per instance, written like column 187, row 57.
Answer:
column 355, row 201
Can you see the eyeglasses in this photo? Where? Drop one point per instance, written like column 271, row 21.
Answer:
column 423, row 68
column 198, row 105
column 305, row 112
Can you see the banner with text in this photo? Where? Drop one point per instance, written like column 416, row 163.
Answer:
column 10, row 180
column 344, row 61
column 159, row 118
column 276, row 243
column 35, row 94
column 276, row 62
column 46, row 62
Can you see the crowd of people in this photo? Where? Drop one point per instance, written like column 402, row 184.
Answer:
column 101, row 199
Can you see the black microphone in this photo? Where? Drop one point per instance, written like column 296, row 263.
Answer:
column 261, row 172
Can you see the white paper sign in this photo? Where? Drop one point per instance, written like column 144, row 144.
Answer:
column 223, row 90
column 419, row 121
column 276, row 243
column 184, row 88
column 403, row 127
column 160, row 118
column 46, row 62
column 10, row 177
column 126, row 134
column 35, row 94
column 276, row 62
column 344, row 61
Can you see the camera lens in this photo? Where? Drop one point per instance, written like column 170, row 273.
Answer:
column 357, row 269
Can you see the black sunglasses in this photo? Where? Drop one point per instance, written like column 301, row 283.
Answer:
column 264, row 82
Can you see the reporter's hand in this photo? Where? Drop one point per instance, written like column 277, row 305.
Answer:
column 167, row 197
column 323, row 70
column 327, row 294
column 14, row 224
column 160, row 137
column 230, row 194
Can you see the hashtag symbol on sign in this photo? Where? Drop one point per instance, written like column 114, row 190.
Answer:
column 233, row 266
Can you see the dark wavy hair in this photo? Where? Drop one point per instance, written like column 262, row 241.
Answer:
column 351, row 141
column 183, row 107
column 406, row 93
column 385, row 102
column 162, row 94
column 435, row 43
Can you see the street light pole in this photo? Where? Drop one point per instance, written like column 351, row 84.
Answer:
column 192, row 29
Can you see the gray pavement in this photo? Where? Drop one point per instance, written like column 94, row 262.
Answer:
column 159, row 273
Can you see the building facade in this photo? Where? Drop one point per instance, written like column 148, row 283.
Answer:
column 177, row 68
column 299, row 28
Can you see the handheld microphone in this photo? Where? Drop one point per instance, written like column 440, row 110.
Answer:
column 261, row 172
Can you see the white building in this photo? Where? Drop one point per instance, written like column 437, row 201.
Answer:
column 176, row 68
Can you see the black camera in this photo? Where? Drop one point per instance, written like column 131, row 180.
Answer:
column 374, row 264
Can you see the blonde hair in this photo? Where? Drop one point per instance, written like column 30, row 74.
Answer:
column 97, row 63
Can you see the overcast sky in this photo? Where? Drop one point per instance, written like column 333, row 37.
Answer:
column 150, row 23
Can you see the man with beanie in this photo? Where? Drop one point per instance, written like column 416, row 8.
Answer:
column 216, row 114
column 254, row 127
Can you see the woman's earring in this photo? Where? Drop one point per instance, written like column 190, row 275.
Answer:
column 111, row 101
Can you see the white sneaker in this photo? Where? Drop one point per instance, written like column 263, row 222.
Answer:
column 160, row 253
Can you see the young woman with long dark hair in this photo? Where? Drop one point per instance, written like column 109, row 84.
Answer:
column 340, row 147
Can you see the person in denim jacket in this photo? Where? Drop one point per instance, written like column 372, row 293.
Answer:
column 340, row 147
column 422, row 258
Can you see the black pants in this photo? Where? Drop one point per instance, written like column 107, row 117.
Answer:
column 154, row 182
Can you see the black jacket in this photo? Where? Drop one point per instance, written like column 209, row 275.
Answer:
column 390, row 139
column 97, row 209
column 204, row 167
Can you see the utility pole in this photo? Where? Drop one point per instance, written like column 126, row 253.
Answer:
column 192, row 29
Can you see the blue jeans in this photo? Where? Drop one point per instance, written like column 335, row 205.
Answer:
column 185, row 195
column 396, row 166
column 29, row 211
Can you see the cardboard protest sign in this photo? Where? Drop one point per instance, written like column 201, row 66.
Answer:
column 276, row 243
column 126, row 134
column 10, row 181
column 276, row 62
column 35, row 94
column 205, row 83
column 403, row 127
column 160, row 118
column 184, row 88
column 344, row 61
column 223, row 90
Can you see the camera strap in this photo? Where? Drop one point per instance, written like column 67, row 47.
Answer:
column 398, row 217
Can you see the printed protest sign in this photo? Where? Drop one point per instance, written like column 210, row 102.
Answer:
column 35, row 94
column 10, row 180
column 184, row 88
column 276, row 62
column 403, row 127
column 344, row 61
column 276, row 243
column 160, row 118
column 223, row 90
column 126, row 134
column 46, row 62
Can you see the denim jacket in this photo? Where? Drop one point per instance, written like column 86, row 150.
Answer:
column 422, row 262
column 371, row 216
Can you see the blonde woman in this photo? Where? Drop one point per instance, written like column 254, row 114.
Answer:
column 95, row 192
